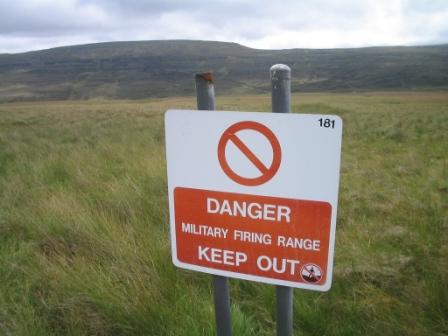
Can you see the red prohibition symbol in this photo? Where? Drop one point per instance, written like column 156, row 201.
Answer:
column 230, row 135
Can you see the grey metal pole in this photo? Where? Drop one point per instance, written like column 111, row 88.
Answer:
column 281, row 103
column 222, row 305
column 281, row 88
column 205, row 93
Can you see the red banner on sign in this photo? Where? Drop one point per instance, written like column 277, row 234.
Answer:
column 262, row 236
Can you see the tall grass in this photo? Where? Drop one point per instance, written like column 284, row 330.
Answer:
column 84, row 246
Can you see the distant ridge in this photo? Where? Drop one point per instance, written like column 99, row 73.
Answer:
column 131, row 70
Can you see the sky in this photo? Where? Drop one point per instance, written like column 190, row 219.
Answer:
column 267, row 24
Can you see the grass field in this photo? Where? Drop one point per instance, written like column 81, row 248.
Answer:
column 84, row 246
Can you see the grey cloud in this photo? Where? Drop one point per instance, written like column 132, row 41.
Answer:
column 237, row 20
column 157, row 6
column 424, row 6
column 51, row 18
column 44, row 20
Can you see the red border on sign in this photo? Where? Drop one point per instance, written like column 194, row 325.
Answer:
column 267, row 173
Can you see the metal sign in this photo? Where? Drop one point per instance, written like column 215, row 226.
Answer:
column 254, row 195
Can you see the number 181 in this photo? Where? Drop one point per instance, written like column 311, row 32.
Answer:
column 327, row 123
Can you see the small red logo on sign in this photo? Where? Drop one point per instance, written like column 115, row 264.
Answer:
column 230, row 135
column 311, row 273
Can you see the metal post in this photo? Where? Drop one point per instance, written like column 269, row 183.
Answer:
column 205, row 91
column 281, row 88
column 222, row 305
column 281, row 103
column 206, row 101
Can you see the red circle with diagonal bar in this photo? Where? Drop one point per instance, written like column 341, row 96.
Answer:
column 230, row 135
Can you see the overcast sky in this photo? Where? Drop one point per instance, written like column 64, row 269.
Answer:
column 269, row 24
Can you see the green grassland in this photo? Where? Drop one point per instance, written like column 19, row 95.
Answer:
column 84, row 244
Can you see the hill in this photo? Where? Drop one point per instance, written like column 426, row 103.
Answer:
column 165, row 68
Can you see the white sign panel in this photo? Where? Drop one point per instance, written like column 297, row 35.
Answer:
column 254, row 195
